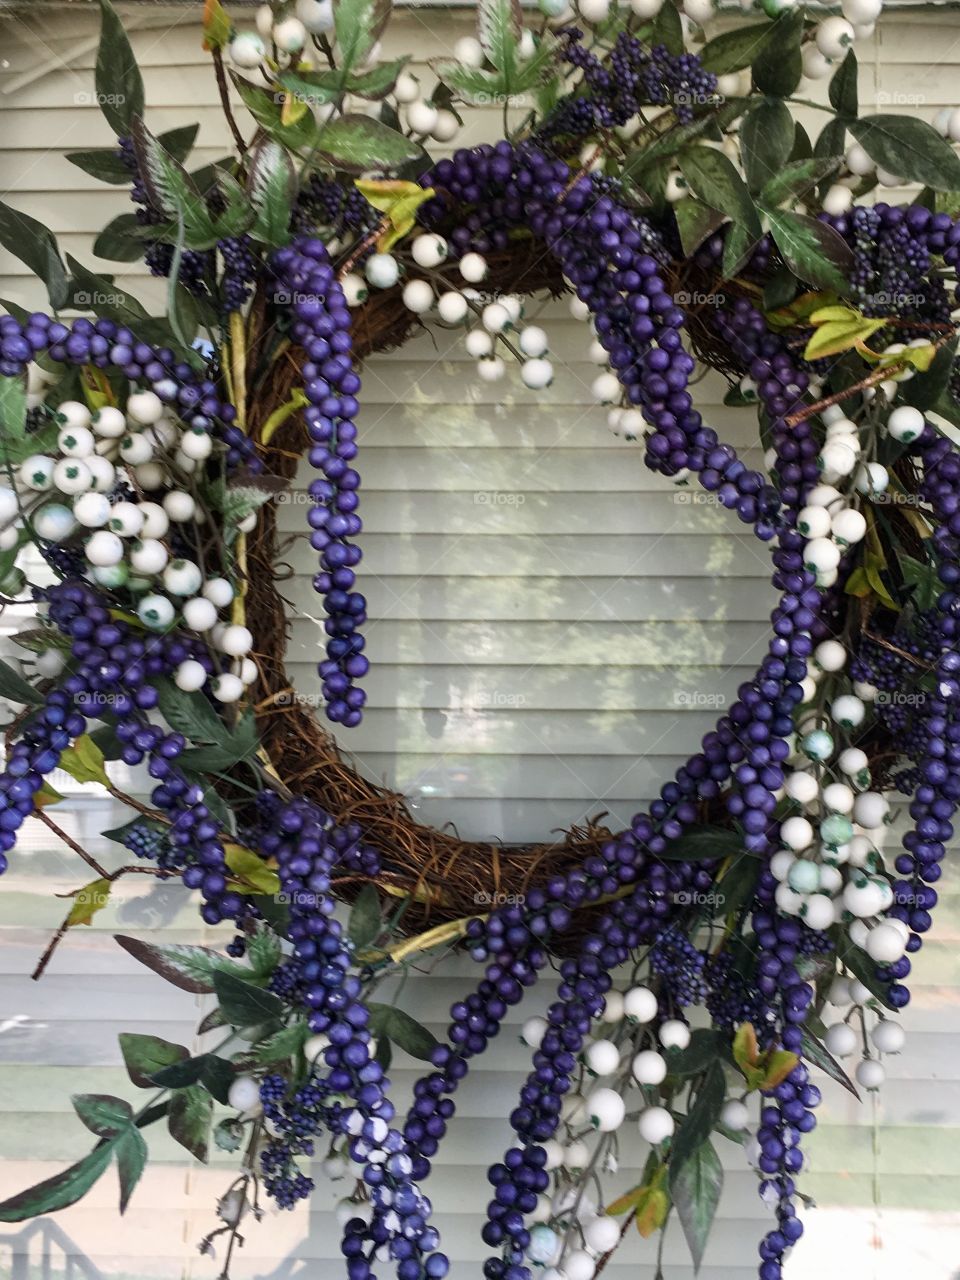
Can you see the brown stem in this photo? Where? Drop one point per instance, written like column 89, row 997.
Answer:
column 225, row 101
column 370, row 238
column 72, row 844
column 48, row 953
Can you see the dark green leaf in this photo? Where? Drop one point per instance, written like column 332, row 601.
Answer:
column 711, row 123
column 844, row 96
column 118, row 80
column 379, row 81
column 108, row 742
column 179, row 142
column 705, row 843
column 13, row 416
column 926, row 389
column 735, row 890
column 15, row 309
column 103, row 163
column 818, row 1054
column 60, row 1190
column 283, row 1044
column 119, row 240
column 16, row 689
column 798, row 179
column 668, row 29
column 402, row 1030
column 144, row 1056
column 696, row 1190
column 706, row 1047
column 802, row 146
column 779, row 291
column 700, row 1120
column 358, row 143
column 778, row 67
column 190, row 1071
column 766, row 141
column 696, row 223
column 103, row 1115
column 734, row 50
column 271, row 190
column 263, row 950
column 865, row 970
column 714, row 180
column 244, row 1004
column 131, row 1162
column 170, row 188
column 909, row 148
column 812, row 250
column 35, row 245
column 191, row 1111
column 364, row 923
column 217, row 1076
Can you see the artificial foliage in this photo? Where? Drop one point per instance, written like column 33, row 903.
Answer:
column 749, row 929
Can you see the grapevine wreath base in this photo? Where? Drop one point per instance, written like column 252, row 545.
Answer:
column 142, row 469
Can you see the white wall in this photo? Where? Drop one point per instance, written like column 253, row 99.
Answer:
column 537, row 658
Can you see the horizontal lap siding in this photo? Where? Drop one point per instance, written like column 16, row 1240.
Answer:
column 552, row 628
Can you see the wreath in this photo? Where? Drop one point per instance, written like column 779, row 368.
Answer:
column 659, row 179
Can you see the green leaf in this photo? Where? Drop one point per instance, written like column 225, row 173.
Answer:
column 60, row 1190
column 712, row 177
column 84, row 761
column 35, row 245
column 171, row 189
column 263, row 950
column 203, row 1068
column 712, row 121
column 190, row 1116
column 706, row 1047
column 117, row 77
column 696, row 1190
column 364, row 923
column 216, row 25
column 15, row 688
column 102, row 1114
column 103, row 163
column 271, row 190
column 377, row 82
column 696, row 223
column 189, row 968
column 119, row 241
column 910, row 148
column 700, row 1120
column 843, row 92
column 668, row 29
column 926, row 390
column 499, row 26
column 778, row 67
column 179, row 141
column 736, row 887
column 766, row 141
column 93, row 897
column 734, row 50
column 190, row 714
column 358, row 25
column 145, row 1055
column 798, row 179
column 13, row 422
column 812, row 250
column 358, row 143
column 94, row 292
column 243, row 1004
column 402, row 1030
column 472, row 83
column 131, row 1162
column 703, row 843
column 283, row 1044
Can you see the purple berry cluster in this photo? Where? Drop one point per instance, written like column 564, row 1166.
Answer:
column 106, row 344
column 320, row 324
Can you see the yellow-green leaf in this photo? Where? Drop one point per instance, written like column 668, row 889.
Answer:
column 46, row 796
column 93, row 897
column 293, row 109
column 858, row 584
column 841, row 335
column 626, row 1203
column 778, row 1066
column 84, row 761
column 652, row 1210
column 397, row 199
column 253, row 875
column 216, row 25
column 872, row 569
column 836, row 312
column 746, row 1051
column 801, row 308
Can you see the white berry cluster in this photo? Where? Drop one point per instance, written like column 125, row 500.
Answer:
column 492, row 326
column 115, row 488
column 850, row 1035
column 569, row 1234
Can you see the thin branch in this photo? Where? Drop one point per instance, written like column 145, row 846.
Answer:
column 224, row 90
